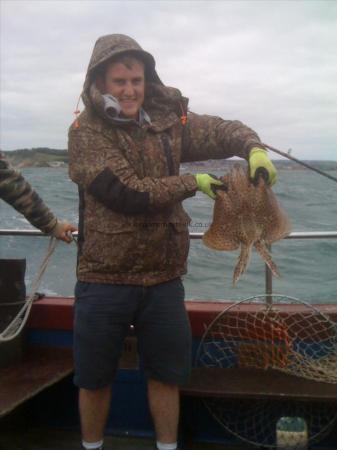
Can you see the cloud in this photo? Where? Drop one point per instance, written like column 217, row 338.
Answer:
column 272, row 65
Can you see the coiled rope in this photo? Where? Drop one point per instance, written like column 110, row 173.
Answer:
column 19, row 321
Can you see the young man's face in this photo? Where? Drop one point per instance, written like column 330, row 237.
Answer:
column 127, row 85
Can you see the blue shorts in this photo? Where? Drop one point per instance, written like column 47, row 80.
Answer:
column 103, row 315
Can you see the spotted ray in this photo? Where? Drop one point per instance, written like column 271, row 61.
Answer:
column 244, row 217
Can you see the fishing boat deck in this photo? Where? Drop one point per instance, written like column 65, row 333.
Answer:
column 59, row 439
column 23, row 438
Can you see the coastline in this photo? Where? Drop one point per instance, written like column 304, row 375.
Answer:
column 55, row 158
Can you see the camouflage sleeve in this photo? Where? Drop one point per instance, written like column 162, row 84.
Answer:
column 17, row 192
column 107, row 175
column 209, row 137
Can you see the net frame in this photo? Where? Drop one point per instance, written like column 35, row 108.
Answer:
column 271, row 332
column 301, row 341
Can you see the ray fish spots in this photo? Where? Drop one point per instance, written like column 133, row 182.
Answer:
column 246, row 216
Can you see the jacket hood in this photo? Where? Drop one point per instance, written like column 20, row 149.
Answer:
column 157, row 96
column 112, row 45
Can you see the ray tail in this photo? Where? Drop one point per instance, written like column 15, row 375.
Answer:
column 266, row 256
column 242, row 262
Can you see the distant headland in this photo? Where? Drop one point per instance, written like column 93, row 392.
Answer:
column 37, row 157
column 55, row 158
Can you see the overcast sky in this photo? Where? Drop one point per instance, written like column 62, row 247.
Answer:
column 270, row 64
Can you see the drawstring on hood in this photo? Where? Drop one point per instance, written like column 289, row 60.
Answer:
column 77, row 112
column 160, row 100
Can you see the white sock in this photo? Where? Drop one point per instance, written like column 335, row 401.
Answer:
column 92, row 445
column 161, row 446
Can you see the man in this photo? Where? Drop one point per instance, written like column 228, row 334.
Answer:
column 124, row 153
column 17, row 192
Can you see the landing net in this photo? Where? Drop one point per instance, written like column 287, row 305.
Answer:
column 272, row 332
column 287, row 335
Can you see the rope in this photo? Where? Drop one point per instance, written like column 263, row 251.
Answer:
column 19, row 321
column 12, row 303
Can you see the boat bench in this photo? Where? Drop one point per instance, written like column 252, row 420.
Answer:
column 39, row 368
column 249, row 383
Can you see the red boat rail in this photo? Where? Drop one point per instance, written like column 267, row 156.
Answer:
column 56, row 313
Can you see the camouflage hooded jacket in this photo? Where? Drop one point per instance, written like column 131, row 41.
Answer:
column 16, row 191
column 133, row 228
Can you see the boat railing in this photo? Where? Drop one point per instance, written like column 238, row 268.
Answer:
column 268, row 273
column 293, row 235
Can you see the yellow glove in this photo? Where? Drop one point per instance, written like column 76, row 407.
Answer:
column 260, row 165
column 208, row 184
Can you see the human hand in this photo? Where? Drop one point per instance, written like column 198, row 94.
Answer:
column 260, row 165
column 209, row 184
column 63, row 230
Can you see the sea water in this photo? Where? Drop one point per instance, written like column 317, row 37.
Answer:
column 308, row 268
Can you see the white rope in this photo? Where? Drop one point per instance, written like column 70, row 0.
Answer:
column 19, row 321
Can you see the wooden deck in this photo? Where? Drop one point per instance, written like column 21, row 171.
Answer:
column 54, row 439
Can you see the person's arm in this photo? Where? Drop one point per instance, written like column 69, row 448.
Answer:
column 209, row 137
column 17, row 192
column 107, row 175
